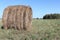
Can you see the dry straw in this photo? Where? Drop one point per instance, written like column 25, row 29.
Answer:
column 17, row 17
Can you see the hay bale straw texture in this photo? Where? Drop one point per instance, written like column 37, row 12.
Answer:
column 17, row 17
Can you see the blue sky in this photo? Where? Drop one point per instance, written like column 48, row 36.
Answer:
column 39, row 7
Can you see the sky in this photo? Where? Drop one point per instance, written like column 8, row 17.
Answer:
column 39, row 7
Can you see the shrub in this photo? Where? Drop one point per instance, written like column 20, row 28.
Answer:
column 37, row 18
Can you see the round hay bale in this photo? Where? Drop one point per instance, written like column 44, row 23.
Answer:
column 17, row 17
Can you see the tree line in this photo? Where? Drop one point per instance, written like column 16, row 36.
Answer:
column 51, row 16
